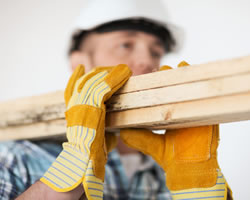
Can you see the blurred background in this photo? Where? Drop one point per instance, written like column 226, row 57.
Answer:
column 34, row 37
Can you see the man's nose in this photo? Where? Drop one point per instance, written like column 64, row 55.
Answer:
column 142, row 63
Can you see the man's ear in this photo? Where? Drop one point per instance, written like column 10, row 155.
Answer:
column 79, row 57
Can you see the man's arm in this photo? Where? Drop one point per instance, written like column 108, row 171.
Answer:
column 40, row 191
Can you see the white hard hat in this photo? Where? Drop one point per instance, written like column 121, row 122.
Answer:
column 99, row 12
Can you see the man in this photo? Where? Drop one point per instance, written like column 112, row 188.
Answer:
column 140, row 41
column 103, row 42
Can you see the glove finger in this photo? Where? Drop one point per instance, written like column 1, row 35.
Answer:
column 86, row 84
column 79, row 71
column 117, row 78
column 183, row 64
column 93, row 186
column 144, row 141
column 90, row 75
column 165, row 67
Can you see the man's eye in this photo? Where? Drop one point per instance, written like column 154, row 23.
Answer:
column 126, row 45
column 156, row 54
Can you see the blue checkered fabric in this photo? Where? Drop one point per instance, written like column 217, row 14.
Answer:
column 22, row 163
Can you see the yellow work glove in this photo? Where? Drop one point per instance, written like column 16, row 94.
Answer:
column 110, row 138
column 84, row 156
column 187, row 155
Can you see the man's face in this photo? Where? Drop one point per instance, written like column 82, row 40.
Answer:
column 142, row 52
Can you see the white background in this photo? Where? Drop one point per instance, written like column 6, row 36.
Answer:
column 34, row 37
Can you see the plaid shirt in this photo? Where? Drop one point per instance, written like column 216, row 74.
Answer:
column 22, row 163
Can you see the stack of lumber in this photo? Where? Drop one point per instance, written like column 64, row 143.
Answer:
column 204, row 94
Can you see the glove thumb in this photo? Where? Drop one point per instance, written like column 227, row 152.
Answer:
column 79, row 71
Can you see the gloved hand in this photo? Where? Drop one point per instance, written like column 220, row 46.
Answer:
column 84, row 156
column 187, row 155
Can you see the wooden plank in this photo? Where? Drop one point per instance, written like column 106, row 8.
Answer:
column 179, row 115
column 189, row 74
column 146, row 101
column 32, row 109
column 185, row 114
column 181, row 92
column 39, row 130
